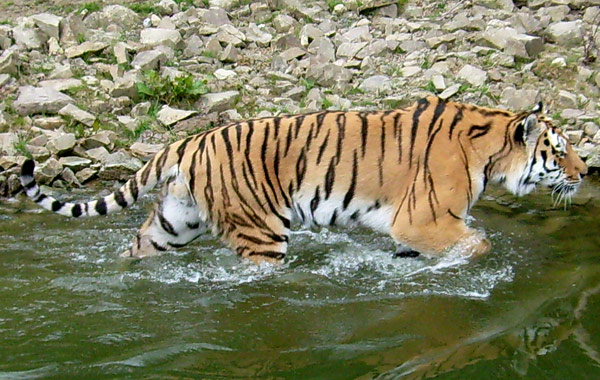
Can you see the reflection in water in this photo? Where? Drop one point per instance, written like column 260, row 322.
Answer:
column 340, row 307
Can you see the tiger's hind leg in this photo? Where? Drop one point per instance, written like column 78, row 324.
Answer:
column 259, row 240
column 174, row 222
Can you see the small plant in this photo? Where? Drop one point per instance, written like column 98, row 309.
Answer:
column 182, row 89
column 184, row 4
column 308, row 84
column 144, row 8
column 20, row 145
column 430, row 87
column 326, row 104
column 332, row 3
column 90, row 7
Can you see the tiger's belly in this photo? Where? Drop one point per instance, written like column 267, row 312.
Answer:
column 335, row 211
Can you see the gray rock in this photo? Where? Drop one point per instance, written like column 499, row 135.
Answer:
column 78, row 114
column 125, row 86
column 8, row 62
column 38, row 153
column 567, row 99
column 49, row 122
column 567, row 33
column 152, row 37
column 216, row 17
column 69, row 177
column 293, row 53
column 374, row 49
column 255, row 34
column 228, row 34
column 61, row 144
column 86, row 47
column 7, row 162
column 86, row 175
column 376, row 83
column 48, row 23
column 194, row 46
column 590, row 128
column 118, row 15
column 145, row 151
column 225, row 4
column 47, row 171
column 329, row 74
column 229, row 54
column 498, row 37
column 33, row 100
column 28, row 38
column 167, row 7
column 473, row 75
column 169, row 116
column 99, row 154
column 323, row 48
column 74, row 162
column 284, row 23
column 61, row 84
column 525, row 46
column 7, row 143
column 450, row 91
column 350, row 49
column 119, row 166
column 120, row 51
column 522, row 99
column 148, row 60
column 216, row 102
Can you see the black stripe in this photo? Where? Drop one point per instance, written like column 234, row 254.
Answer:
column 101, row 206
column 247, row 153
column 333, row 218
column 288, row 139
column 253, row 239
column 276, row 122
column 314, row 203
column 300, row 169
column 238, row 135
column 479, row 130
column 329, row 178
column 181, row 150
column 422, row 105
column 341, row 124
column 263, row 155
column 76, row 210
column 269, row 254
column 322, row 147
column 133, row 188
column 286, row 221
column 30, row 185
column 192, row 226
column 454, row 215
column 364, row 132
column 120, row 199
column 350, row 193
column 57, row 205
column 40, row 198
column 439, row 109
column 157, row 246
column 166, row 225
column 457, row 117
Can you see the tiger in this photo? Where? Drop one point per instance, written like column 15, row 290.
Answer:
column 413, row 173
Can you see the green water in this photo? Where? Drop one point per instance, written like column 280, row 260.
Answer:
column 340, row 308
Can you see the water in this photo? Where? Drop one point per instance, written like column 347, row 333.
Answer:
column 339, row 308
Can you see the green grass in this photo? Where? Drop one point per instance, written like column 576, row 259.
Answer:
column 183, row 90
column 430, row 87
column 326, row 104
column 20, row 145
column 144, row 8
column 332, row 3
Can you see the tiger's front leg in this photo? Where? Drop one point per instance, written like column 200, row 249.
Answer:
column 435, row 239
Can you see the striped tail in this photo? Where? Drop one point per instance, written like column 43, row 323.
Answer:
column 143, row 181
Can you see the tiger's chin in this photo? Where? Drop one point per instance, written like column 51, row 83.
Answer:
column 563, row 192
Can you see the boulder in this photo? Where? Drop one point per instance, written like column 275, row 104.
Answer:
column 568, row 33
column 221, row 101
column 48, row 23
column 152, row 37
column 473, row 75
column 376, row 83
column 86, row 47
column 169, row 116
column 61, row 144
column 33, row 100
column 78, row 114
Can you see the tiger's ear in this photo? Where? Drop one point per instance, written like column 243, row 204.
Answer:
column 527, row 131
column 538, row 108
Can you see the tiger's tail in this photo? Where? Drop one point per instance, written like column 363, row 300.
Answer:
column 152, row 173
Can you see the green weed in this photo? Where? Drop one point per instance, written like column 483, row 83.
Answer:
column 180, row 90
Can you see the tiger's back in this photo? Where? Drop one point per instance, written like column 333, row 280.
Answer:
column 413, row 173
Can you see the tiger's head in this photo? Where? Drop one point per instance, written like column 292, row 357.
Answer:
column 542, row 155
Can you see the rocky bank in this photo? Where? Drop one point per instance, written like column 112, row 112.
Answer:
column 93, row 92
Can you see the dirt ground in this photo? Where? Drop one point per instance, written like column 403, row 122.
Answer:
column 10, row 10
